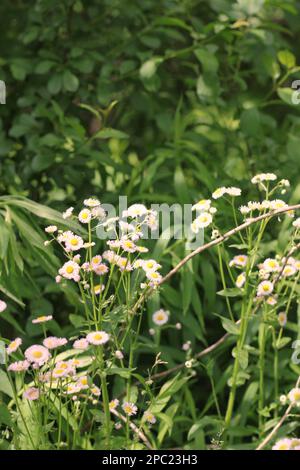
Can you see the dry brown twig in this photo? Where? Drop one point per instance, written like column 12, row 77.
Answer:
column 278, row 425
column 134, row 428
column 220, row 341
column 212, row 243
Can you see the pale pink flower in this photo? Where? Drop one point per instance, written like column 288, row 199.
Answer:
column 19, row 366
column 129, row 408
column 53, row 342
column 32, row 393
column 14, row 345
column 3, row 306
column 42, row 319
column 100, row 269
column 37, row 354
column 81, row 344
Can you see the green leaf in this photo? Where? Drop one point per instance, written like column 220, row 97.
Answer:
column 5, row 416
column 230, row 326
column 55, row 84
column 230, row 292
column 5, row 385
column 109, row 133
column 70, row 81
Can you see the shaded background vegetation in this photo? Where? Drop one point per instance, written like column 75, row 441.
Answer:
column 161, row 101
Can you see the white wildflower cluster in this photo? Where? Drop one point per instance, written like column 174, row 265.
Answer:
column 121, row 247
column 230, row 191
column 261, row 177
column 205, row 215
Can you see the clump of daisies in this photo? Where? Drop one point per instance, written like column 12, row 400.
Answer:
column 123, row 252
column 270, row 203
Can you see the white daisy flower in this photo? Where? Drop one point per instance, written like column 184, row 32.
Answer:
column 294, row 396
column 263, row 177
column 202, row 205
column 282, row 318
column 149, row 265
column 37, row 354
column 74, row 243
column 219, row 192
column 271, row 265
column 160, row 317
column 240, row 281
column 239, row 260
column 265, row 288
column 149, row 417
column 129, row 408
column 13, row 346
column 289, row 270
column 85, row 216
column 68, row 213
column 136, row 210
column 97, row 338
column 70, row 270
column 51, row 229
column 282, row 444
column 91, row 202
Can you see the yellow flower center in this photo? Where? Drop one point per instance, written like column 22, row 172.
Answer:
column 37, row 354
column 98, row 336
column 74, row 241
column 70, row 269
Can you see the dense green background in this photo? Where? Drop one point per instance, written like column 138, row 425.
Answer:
column 161, row 101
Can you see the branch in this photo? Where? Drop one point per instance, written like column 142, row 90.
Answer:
column 278, row 425
column 212, row 243
column 220, row 341
column 227, row 235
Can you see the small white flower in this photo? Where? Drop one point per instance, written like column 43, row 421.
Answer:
column 219, row 192
column 282, row 444
column 294, row 396
column 119, row 355
column 3, row 306
column 282, row 318
column 68, row 213
column 202, row 205
column 283, row 399
column 136, row 210
column 70, row 270
column 13, row 346
column 271, row 265
column 265, row 288
column 240, row 281
column 149, row 417
column 239, row 260
column 74, row 243
column 97, row 338
column 129, row 408
column 263, row 177
column 91, row 202
column 51, row 229
column 296, row 223
column 233, row 191
column 85, row 216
